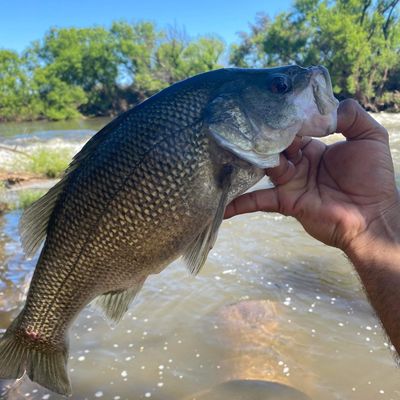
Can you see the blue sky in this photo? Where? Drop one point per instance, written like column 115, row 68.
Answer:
column 22, row 21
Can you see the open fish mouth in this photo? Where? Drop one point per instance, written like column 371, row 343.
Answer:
column 322, row 89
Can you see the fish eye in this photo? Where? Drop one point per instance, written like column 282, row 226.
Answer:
column 280, row 84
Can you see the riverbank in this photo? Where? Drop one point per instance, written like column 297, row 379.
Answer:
column 29, row 161
column 20, row 191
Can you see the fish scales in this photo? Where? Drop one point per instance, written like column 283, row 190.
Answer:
column 97, row 234
column 148, row 188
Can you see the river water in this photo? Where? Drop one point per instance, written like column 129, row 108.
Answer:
column 273, row 314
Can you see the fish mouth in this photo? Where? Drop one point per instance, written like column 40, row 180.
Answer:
column 322, row 89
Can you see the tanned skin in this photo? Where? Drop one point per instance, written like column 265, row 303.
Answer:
column 344, row 195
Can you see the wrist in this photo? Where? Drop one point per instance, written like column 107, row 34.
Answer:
column 380, row 240
column 376, row 258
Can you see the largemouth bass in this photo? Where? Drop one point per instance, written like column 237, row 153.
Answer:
column 148, row 188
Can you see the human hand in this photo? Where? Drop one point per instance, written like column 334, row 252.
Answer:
column 344, row 195
column 336, row 191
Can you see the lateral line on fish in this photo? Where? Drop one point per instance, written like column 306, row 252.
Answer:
column 92, row 229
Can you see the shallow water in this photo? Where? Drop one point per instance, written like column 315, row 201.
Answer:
column 12, row 129
column 271, row 304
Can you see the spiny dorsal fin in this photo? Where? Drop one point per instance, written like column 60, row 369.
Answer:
column 197, row 252
column 89, row 148
column 115, row 304
column 35, row 219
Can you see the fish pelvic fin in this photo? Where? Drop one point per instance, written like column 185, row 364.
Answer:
column 45, row 366
column 114, row 305
column 196, row 254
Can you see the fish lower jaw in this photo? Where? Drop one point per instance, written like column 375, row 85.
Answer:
column 317, row 120
column 319, row 125
column 325, row 102
column 259, row 160
column 322, row 91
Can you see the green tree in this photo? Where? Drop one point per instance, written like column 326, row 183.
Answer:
column 153, row 59
column 54, row 98
column 80, row 58
column 107, row 71
column 15, row 100
column 358, row 40
column 98, row 71
column 135, row 45
column 178, row 58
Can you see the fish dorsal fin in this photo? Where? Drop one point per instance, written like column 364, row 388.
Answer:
column 35, row 219
column 234, row 130
column 196, row 254
column 91, row 145
column 115, row 304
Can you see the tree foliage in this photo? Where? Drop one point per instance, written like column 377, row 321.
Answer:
column 98, row 71
column 15, row 94
column 104, row 71
column 357, row 40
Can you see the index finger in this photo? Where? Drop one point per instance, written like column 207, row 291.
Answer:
column 355, row 123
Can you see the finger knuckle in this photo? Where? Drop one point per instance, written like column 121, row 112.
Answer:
column 349, row 108
column 349, row 104
column 384, row 133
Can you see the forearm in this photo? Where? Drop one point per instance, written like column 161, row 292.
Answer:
column 376, row 257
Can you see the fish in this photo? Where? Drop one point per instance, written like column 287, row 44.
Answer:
column 148, row 188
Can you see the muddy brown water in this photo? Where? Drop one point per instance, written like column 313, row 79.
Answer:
column 273, row 313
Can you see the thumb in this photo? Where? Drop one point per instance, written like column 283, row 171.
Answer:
column 356, row 124
column 259, row 200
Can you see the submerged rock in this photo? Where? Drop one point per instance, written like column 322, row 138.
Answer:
column 254, row 349
column 248, row 331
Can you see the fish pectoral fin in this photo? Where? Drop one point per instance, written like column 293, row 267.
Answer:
column 196, row 254
column 115, row 304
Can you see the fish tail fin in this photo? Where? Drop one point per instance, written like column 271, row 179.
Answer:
column 45, row 366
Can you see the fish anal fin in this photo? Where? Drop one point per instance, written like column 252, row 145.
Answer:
column 115, row 304
column 196, row 254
